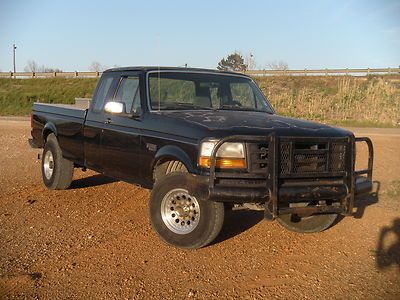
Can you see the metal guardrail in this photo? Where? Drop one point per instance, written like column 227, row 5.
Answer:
column 324, row 72
column 50, row 74
column 305, row 72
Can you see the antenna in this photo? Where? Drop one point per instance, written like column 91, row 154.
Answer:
column 159, row 75
column 159, row 88
column 14, row 48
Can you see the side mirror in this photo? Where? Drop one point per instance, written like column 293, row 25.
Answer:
column 114, row 107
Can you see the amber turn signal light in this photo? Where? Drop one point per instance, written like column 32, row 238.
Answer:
column 231, row 163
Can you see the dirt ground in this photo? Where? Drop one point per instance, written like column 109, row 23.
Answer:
column 94, row 241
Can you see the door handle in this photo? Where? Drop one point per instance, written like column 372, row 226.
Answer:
column 107, row 121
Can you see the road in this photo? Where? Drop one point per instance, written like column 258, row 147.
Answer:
column 94, row 241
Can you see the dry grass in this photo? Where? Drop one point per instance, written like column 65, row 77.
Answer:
column 372, row 100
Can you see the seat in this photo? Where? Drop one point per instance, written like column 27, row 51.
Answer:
column 202, row 97
column 202, row 101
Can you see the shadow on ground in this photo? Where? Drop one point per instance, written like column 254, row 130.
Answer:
column 388, row 251
column 238, row 221
column 94, row 180
column 361, row 202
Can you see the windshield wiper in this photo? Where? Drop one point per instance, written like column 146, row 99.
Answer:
column 235, row 107
column 178, row 105
column 241, row 108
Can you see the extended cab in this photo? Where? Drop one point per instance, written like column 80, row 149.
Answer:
column 203, row 140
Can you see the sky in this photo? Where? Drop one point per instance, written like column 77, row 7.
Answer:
column 72, row 34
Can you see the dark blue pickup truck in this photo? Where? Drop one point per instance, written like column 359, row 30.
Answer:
column 204, row 141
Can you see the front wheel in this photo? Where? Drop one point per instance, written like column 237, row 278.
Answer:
column 306, row 224
column 181, row 219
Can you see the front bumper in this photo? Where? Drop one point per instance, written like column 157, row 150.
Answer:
column 327, row 191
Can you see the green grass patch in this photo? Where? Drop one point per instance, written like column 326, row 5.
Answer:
column 18, row 95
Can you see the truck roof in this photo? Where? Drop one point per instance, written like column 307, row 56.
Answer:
column 156, row 68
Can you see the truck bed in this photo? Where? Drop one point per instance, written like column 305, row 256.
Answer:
column 66, row 122
column 71, row 110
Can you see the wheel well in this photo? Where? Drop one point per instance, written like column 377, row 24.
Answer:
column 167, row 165
column 46, row 133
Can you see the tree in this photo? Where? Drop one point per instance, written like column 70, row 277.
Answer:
column 31, row 66
column 97, row 67
column 278, row 65
column 49, row 69
column 234, row 62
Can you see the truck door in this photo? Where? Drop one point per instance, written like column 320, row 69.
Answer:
column 120, row 142
column 95, row 121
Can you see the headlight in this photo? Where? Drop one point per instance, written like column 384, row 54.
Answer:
column 229, row 155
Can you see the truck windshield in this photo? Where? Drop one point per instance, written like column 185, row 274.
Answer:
column 204, row 91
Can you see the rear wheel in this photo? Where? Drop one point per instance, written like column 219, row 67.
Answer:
column 57, row 171
column 181, row 219
column 306, row 224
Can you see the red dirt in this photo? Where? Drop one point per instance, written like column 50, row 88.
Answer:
column 95, row 241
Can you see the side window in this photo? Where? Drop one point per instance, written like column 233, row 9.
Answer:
column 128, row 93
column 102, row 92
column 242, row 93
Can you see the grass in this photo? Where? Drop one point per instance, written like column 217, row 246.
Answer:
column 18, row 95
column 361, row 123
column 372, row 101
column 393, row 190
column 352, row 101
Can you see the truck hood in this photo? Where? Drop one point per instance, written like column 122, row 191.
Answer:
column 223, row 123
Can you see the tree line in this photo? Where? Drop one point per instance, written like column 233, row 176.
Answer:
column 33, row 66
column 234, row 62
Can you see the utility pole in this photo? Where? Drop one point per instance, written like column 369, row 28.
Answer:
column 14, row 48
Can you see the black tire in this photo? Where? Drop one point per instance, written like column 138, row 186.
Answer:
column 307, row 224
column 60, row 177
column 168, row 167
column 208, row 225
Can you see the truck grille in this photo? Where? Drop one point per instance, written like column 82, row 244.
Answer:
column 303, row 158
column 299, row 157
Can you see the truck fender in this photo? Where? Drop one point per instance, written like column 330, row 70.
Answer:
column 171, row 152
column 47, row 129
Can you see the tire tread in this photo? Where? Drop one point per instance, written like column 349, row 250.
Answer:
column 64, row 168
column 195, row 240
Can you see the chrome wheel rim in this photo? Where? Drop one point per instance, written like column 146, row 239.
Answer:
column 48, row 164
column 180, row 211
